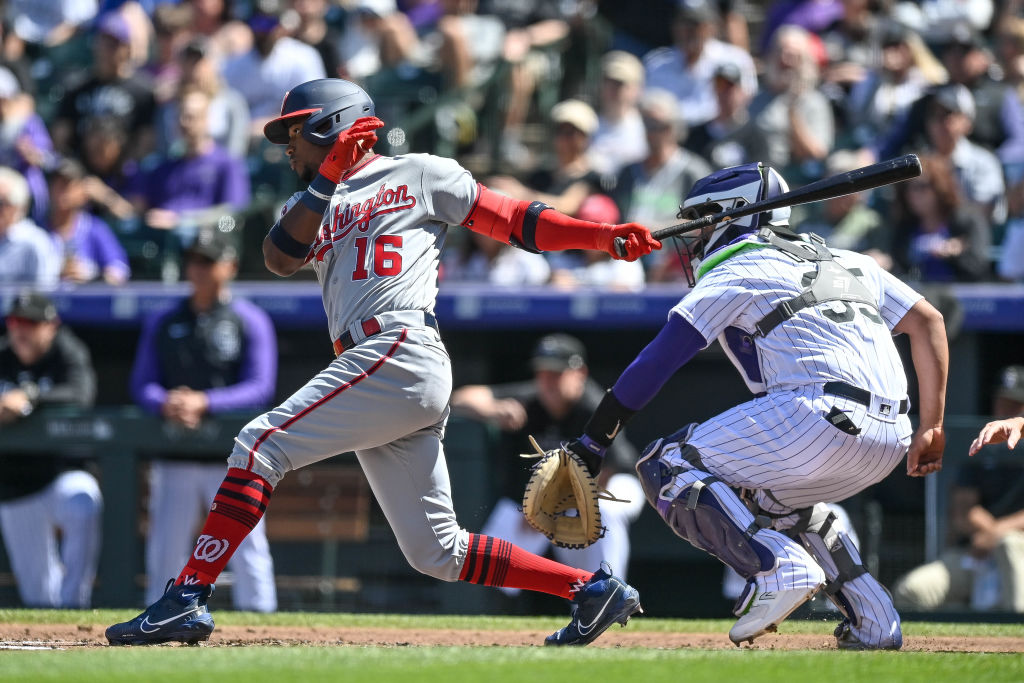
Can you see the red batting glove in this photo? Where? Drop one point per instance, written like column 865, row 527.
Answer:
column 639, row 241
column 349, row 147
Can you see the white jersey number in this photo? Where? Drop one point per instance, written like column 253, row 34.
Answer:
column 387, row 260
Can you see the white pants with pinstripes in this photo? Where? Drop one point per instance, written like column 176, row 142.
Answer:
column 387, row 400
column 51, row 574
column 782, row 446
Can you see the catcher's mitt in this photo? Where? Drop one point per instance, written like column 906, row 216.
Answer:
column 561, row 483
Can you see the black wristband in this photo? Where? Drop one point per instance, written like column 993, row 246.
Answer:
column 609, row 417
column 286, row 243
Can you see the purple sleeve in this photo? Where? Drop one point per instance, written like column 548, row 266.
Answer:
column 146, row 388
column 676, row 343
column 235, row 190
column 255, row 387
column 35, row 130
column 109, row 251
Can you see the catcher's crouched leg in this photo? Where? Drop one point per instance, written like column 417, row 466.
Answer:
column 872, row 622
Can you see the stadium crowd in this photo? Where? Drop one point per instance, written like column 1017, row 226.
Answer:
column 126, row 127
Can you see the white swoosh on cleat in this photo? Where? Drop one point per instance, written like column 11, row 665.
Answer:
column 584, row 630
column 157, row 624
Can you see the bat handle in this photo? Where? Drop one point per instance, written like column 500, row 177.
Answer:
column 619, row 244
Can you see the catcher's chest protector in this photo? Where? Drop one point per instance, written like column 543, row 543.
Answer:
column 830, row 282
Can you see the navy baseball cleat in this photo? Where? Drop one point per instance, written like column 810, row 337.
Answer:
column 180, row 615
column 601, row 602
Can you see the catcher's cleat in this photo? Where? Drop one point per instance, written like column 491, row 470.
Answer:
column 180, row 615
column 845, row 640
column 601, row 602
column 765, row 610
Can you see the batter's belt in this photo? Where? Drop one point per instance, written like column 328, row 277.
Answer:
column 357, row 332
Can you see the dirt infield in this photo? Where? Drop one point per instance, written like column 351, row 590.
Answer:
column 59, row 636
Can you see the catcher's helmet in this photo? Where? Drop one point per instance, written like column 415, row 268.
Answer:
column 725, row 189
column 332, row 105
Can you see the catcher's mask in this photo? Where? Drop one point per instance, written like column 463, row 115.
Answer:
column 331, row 105
column 722, row 190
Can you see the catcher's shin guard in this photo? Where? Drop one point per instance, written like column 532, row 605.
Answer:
column 872, row 621
column 700, row 508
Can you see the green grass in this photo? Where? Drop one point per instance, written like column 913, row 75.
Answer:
column 495, row 664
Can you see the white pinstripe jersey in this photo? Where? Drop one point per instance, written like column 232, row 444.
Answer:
column 379, row 245
column 831, row 341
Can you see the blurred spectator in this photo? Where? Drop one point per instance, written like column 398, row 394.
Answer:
column 813, row 16
column 591, row 268
column 983, row 565
column 730, row 138
column 112, row 88
column 50, row 508
column 377, row 36
column 851, row 46
column 792, row 116
column 172, row 24
column 979, row 175
column 933, row 18
column 620, row 138
column 847, row 222
column 465, row 46
column 998, row 113
column 313, row 29
column 276, row 63
column 228, row 111
column 111, row 172
column 902, row 77
column 25, row 144
column 939, row 237
column 27, row 252
column 650, row 191
column 552, row 406
column 572, row 179
column 91, row 251
column 48, row 23
column 687, row 69
column 210, row 354
column 478, row 258
column 214, row 20
column 184, row 193
column 535, row 33
column 13, row 57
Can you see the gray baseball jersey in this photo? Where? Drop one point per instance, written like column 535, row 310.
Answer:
column 386, row 398
column 379, row 245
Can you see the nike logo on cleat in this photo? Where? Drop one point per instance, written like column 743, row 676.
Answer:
column 157, row 624
column 585, row 629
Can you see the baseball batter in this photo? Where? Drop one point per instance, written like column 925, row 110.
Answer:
column 372, row 227
column 810, row 330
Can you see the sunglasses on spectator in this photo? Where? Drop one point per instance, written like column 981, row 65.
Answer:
column 18, row 321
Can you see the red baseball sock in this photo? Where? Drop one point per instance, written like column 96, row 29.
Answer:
column 237, row 508
column 494, row 562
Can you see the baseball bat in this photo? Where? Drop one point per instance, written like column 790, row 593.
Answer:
column 860, row 179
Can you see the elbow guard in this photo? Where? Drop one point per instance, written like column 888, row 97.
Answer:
column 507, row 220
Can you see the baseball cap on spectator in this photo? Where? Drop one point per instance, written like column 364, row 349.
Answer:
column 379, row 8
column 729, row 72
column 559, row 352
column 214, row 245
column 266, row 16
column 621, row 66
column 598, row 208
column 955, row 98
column 9, row 86
column 114, row 24
column 697, row 11
column 35, row 306
column 1011, row 383
column 962, row 35
column 893, row 33
column 576, row 113
column 69, row 169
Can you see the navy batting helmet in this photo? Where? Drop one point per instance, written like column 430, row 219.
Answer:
column 332, row 105
column 726, row 189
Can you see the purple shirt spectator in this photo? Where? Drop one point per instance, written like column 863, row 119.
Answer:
column 93, row 244
column 199, row 182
